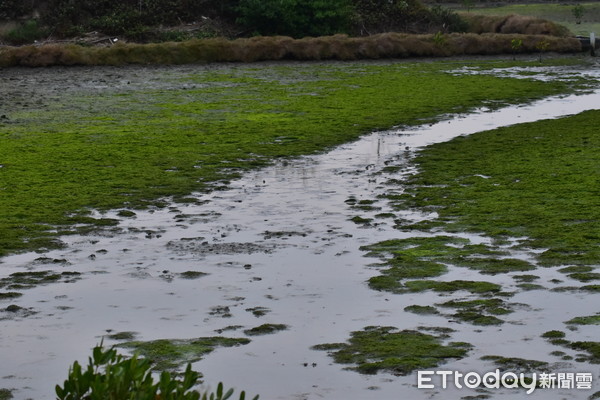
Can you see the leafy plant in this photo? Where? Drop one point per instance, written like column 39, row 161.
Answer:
column 446, row 19
column 578, row 12
column 542, row 46
column 516, row 45
column 26, row 33
column 111, row 376
column 439, row 39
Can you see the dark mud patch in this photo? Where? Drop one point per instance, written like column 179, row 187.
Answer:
column 221, row 311
column 377, row 349
column 15, row 312
column 119, row 336
column 283, row 234
column 192, row 275
column 206, row 248
column 171, row 354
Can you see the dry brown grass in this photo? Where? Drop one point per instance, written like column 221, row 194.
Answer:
column 514, row 24
column 337, row 47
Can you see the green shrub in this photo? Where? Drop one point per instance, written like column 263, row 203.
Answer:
column 376, row 16
column 127, row 16
column 447, row 20
column 578, row 11
column 27, row 32
column 110, row 376
column 295, row 18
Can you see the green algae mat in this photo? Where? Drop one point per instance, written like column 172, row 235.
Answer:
column 537, row 180
column 117, row 145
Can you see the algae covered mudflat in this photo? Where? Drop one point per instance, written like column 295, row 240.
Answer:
column 80, row 139
column 278, row 249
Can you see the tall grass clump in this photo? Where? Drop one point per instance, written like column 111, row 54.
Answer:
column 514, row 24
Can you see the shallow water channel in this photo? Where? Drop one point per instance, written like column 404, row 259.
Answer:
column 280, row 238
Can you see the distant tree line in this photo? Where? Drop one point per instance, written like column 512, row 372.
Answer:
column 296, row 18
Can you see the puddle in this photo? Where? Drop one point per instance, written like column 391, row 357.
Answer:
column 280, row 239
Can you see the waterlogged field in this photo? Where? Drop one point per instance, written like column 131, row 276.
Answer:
column 203, row 237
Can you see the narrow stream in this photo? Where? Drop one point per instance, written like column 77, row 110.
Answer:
column 279, row 238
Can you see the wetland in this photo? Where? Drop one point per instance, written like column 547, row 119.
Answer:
column 302, row 230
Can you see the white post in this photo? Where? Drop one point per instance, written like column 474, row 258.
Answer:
column 593, row 43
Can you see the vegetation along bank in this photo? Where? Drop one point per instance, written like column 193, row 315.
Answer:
column 57, row 32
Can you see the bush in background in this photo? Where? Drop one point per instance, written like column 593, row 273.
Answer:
column 26, row 32
column 295, row 18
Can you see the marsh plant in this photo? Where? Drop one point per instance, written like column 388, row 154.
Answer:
column 516, row 45
column 111, row 376
column 542, row 46
column 578, row 11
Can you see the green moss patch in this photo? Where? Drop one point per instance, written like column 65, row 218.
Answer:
column 450, row 286
column 170, row 354
column 29, row 279
column 265, row 329
column 427, row 257
column 9, row 295
column 591, row 349
column 125, row 148
column 5, row 394
column 258, row 311
column 492, row 266
column 122, row 335
column 377, row 349
column 589, row 320
column 358, row 220
column 422, row 310
column 477, row 312
column 525, row 278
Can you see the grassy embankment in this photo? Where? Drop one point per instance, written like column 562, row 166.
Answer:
column 112, row 149
column 261, row 48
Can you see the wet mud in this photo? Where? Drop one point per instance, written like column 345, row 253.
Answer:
column 283, row 244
